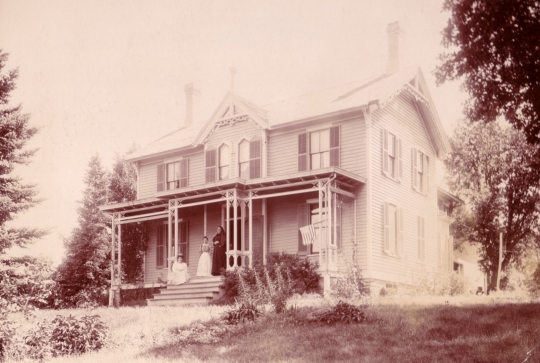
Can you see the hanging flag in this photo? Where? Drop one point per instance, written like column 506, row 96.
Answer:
column 308, row 234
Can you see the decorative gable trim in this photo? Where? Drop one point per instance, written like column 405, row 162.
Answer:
column 232, row 109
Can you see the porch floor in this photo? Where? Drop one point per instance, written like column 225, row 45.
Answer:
column 198, row 290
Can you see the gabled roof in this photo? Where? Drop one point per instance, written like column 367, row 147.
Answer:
column 348, row 97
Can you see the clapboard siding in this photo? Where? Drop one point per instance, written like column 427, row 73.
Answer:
column 401, row 117
column 148, row 173
column 283, row 149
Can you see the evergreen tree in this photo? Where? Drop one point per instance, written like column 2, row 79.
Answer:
column 84, row 275
column 123, row 188
column 15, row 196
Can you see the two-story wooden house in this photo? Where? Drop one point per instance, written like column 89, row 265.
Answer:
column 357, row 161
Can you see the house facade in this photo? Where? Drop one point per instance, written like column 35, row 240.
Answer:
column 358, row 162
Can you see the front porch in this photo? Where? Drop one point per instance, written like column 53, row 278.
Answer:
column 250, row 212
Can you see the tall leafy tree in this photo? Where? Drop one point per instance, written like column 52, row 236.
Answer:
column 492, row 167
column 495, row 49
column 123, row 188
column 84, row 274
column 15, row 196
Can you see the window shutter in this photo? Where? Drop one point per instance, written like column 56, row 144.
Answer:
column 386, row 227
column 426, row 173
column 160, row 246
column 184, row 173
column 183, row 235
column 302, row 215
column 400, row 161
column 302, row 152
column 210, row 166
column 334, row 146
column 255, row 159
column 161, row 177
column 399, row 218
column 385, row 151
column 414, row 169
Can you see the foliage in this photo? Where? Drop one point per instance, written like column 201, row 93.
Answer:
column 66, row 335
column 301, row 273
column 493, row 169
column 241, row 312
column 430, row 283
column 137, row 296
column 534, row 285
column 123, row 188
column 199, row 332
column 495, row 50
column 84, row 274
column 352, row 285
column 25, row 285
column 341, row 312
column 15, row 196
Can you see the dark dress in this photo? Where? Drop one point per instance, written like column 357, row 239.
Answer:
column 219, row 259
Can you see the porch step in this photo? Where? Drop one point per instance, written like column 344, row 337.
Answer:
column 199, row 290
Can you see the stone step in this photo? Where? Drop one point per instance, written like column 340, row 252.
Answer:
column 198, row 290
column 196, row 294
column 185, row 301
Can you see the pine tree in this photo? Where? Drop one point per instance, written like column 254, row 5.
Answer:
column 123, row 188
column 15, row 196
column 84, row 275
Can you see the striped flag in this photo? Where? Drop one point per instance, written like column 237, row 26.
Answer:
column 308, row 234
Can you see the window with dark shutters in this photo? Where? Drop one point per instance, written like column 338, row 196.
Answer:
column 302, row 152
column 177, row 174
column 302, row 215
column 210, row 175
column 334, row 146
column 161, row 245
column 255, row 159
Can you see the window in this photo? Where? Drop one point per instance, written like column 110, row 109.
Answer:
column 177, row 174
column 161, row 245
column 392, row 160
column 210, row 164
column 183, row 234
column 243, row 159
column 393, row 229
column 420, row 162
column 421, row 235
column 321, row 146
column 224, row 162
column 249, row 159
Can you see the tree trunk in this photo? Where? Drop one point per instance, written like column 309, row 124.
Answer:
column 492, row 280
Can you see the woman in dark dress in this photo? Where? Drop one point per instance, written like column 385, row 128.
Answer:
column 219, row 258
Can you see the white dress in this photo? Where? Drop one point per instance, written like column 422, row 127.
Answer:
column 178, row 274
column 205, row 262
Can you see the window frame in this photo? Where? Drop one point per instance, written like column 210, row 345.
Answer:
column 304, row 152
column 398, row 250
column 420, row 179
column 178, row 182
column 396, row 173
column 254, row 157
column 218, row 161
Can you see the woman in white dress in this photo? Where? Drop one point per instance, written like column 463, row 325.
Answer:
column 205, row 262
column 179, row 273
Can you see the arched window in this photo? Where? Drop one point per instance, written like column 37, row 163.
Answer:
column 224, row 162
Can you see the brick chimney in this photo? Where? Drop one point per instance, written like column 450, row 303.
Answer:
column 192, row 103
column 396, row 47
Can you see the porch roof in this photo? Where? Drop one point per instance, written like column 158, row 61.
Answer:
column 348, row 182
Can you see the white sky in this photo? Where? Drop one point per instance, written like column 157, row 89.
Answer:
column 99, row 75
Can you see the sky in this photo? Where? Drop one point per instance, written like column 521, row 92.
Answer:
column 100, row 76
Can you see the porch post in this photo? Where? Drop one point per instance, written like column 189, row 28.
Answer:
column 265, row 230
column 176, row 252
column 228, row 237
column 328, row 206
column 205, row 220
column 169, row 233
column 250, row 206
column 320, row 224
column 119, row 255
column 111, row 291
column 235, row 228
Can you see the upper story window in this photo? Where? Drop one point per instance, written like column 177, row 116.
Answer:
column 249, row 159
column 420, row 166
column 172, row 175
column 392, row 156
column 318, row 149
column 177, row 174
column 393, row 229
column 224, row 162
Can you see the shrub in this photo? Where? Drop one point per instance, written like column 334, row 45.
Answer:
column 198, row 332
column 341, row 312
column 352, row 285
column 137, row 296
column 301, row 272
column 242, row 312
column 66, row 335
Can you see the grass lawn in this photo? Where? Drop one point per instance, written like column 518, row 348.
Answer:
column 411, row 333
